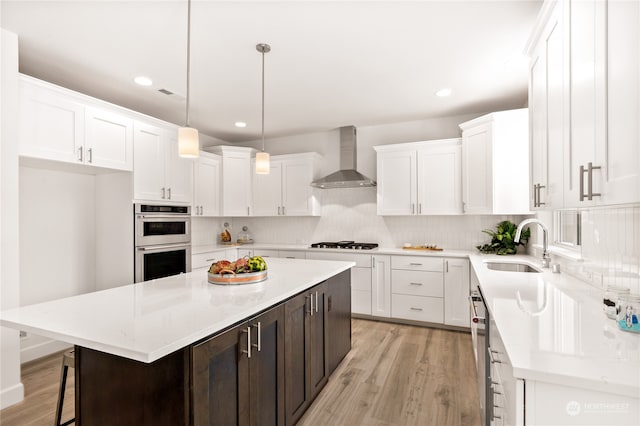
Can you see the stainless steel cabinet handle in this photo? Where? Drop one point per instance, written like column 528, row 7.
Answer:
column 415, row 264
column 540, row 203
column 169, row 193
column 415, row 309
column 248, row 211
column 278, row 210
column 373, row 262
column 283, row 213
column 413, row 208
column 289, row 257
column 589, row 171
column 311, row 296
column 80, row 156
column 248, row 351
column 415, row 283
column 446, row 266
column 210, row 260
column 90, row 154
column 258, row 345
column 164, row 193
column 316, row 301
column 492, row 359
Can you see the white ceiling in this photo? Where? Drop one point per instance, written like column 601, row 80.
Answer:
column 332, row 63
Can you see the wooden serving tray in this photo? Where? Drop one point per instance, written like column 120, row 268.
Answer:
column 422, row 248
column 230, row 279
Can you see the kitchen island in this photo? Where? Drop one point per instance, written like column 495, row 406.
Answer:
column 179, row 350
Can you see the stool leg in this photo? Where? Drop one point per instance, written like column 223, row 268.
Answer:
column 63, row 385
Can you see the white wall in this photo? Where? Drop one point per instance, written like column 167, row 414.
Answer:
column 11, row 389
column 57, row 242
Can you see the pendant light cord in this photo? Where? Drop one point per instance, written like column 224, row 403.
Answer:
column 263, row 100
column 188, row 57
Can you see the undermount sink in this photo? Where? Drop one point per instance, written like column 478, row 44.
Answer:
column 511, row 267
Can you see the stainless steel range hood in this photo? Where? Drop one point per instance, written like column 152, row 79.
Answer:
column 347, row 176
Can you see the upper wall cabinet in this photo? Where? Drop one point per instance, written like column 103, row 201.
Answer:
column 236, row 180
column 61, row 125
column 286, row 190
column 548, row 94
column 495, row 163
column 419, row 178
column 159, row 173
column 592, row 110
column 206, row 184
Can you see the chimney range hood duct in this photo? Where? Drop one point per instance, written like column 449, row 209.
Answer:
column 347, row 176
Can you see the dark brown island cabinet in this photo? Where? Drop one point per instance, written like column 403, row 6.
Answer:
column 263, row 371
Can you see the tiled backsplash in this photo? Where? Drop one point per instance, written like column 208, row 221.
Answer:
column 350, row 214
column 610, row 246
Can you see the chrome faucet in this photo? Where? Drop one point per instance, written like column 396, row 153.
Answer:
column 546, row 259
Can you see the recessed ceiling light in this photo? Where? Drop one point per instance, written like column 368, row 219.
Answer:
column 240, row 124
column 143, row 81
column 443, row 92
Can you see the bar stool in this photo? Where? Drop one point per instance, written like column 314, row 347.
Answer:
column 68, row 360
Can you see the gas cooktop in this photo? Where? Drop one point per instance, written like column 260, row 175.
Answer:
column 352, row 245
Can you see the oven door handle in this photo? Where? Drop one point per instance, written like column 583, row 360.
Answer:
column 476, row 319
column 162, row 247
column 164, row 216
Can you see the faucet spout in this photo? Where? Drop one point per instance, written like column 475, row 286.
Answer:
column 546, row 259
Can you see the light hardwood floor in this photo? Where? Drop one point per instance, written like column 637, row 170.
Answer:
column 400, row 375
column 394, row 375
column 41, row 380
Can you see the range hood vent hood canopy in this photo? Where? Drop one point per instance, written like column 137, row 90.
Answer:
column 347, row 176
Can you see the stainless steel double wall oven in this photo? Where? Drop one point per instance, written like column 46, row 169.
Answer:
column 162, row 241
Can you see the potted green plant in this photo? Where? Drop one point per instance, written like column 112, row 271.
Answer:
column 502, row 239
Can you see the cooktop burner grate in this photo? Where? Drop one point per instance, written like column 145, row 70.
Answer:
column 352, row 245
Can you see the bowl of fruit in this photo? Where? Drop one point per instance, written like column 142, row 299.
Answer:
column 246, row 270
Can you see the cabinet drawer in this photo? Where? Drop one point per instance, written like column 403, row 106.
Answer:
column 417, row 283
column 363, row 260
column 266, row 253
column 417, row 308
column 417, row 263
column 204, row 260
column 292, row 254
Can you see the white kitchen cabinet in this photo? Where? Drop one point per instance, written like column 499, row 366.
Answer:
column 361, row 277
column 548, row 103
column 592, row 54
column 419, row 178
column 206, row 184
column 236, row 180
column 381, row 286
column 61, row 125
column 495, row 163
column 286, row 190
column 417, row 288
column 159, row 173
column 456, row 292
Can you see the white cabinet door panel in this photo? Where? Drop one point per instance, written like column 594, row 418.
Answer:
column 267, row 191
column 109, row 139
column 477, row 174
column 381, row 286
column 149, row 163
column 179, row 173
column 296, row 188
column 236, row 193
column 456, row 292
column 51, row 125
column 440, row 180
column 396, row 190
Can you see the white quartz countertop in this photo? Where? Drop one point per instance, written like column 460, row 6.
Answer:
column 554, row 329
column 297, row 247
column 146, row 321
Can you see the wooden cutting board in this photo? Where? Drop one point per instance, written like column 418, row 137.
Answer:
column 422, row 248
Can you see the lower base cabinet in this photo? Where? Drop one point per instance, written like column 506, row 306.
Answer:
column 306, row 361
column 238, row 376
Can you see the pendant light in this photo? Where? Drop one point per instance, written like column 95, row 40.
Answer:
column 188, row 141
column 262, row 158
